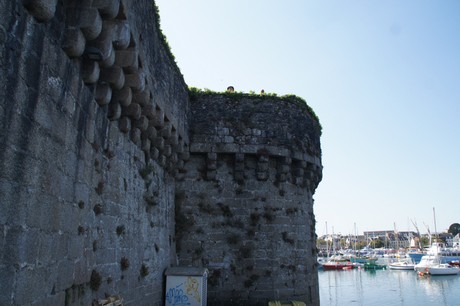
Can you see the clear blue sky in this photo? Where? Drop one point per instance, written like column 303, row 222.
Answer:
column 383, row 77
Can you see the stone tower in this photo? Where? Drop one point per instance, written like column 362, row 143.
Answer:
column 244, row 199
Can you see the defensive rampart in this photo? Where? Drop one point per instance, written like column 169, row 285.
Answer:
column 245, row 198
column 105, row 159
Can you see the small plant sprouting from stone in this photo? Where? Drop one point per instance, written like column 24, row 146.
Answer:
column 144, row 271
column 81, row 204
column 99, row 188
column 95, row 281
column 120, row 230
column 97, row 209
column 124, row 263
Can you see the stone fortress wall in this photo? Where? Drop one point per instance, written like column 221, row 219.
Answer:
column 106, row 159
column 245, row 197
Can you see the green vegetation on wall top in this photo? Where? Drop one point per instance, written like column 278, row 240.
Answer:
column 163, row 38
column 194, row 92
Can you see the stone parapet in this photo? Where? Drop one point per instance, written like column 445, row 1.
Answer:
column 270, row 128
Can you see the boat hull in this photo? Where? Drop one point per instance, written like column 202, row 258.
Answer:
column 443, row 269
column 401, row 266
column 337, row 266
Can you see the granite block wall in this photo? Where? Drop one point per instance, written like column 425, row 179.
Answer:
column 87, row 198
column 112, row 170
column 245, row 198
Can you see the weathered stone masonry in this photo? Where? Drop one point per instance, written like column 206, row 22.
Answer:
column 107, row 166
column 246, row 194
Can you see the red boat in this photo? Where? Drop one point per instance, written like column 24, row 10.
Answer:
column 338, row 264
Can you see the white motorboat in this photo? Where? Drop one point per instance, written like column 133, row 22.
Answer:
column 426, row 262
column 401, row 265
column 443, row 269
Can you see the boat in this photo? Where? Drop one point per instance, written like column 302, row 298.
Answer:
column 437, row 254
column 373, row 266
column 426, row 262
column 362, row 259
column 337, row 263
column 401, row 265
column 443, row 269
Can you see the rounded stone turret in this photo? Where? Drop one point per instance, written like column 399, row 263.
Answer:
column 244, row 206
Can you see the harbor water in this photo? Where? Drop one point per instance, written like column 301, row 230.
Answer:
column 387, row 287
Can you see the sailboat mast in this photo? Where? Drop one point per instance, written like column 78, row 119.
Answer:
column 327, row 243
column 435, row 230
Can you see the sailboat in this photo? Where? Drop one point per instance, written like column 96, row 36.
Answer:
column 401, row 264
column 336, row 262
column 405, row 264
column 443, row 269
